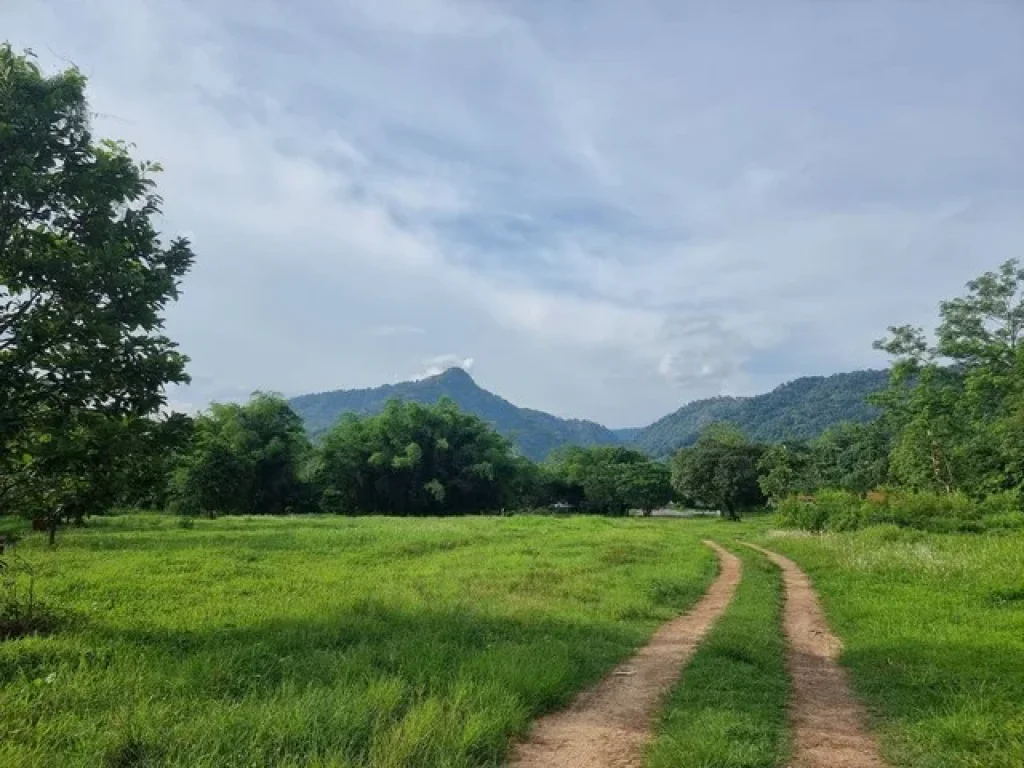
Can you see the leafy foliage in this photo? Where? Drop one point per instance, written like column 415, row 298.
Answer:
column 720, row 471
column 610, row 479
column 83, row 281
column 954, row 405
column 413, row 459
column 244, row 459
column 951, row 426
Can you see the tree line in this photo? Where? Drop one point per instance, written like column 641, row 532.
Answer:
column 410, row 459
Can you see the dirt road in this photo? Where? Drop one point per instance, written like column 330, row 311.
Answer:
column 828, row 723
column 608, row 725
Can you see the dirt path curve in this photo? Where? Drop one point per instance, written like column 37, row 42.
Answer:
column 827, row 721
column 608, row 725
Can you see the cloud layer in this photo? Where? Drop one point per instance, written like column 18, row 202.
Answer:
column 613, row 209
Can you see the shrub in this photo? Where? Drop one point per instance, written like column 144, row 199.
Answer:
column 888, row 533
column 1005, row 503
column 930, row 511
column 820, row 512
column 924, row 511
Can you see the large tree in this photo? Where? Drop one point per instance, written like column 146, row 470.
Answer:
column 645, row 485
column 414, row 459
column 605, row 479
column 953, row 402
column 720, row 471
column 244, row 459
column 84, row 279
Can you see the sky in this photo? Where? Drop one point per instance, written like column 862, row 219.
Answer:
column 604, row 209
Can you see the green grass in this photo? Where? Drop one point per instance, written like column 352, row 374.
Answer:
column 729, row 708
column 329, row 641
column 933, row 627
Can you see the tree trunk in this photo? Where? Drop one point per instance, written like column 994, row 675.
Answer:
column 52, row 527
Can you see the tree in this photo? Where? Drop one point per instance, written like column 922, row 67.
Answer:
column 148, row 451
column 945, row 399
column 244, row 459
column 414, row 459
column 602, row 479
column 851, row 457
column 84, row 279
column 645, row 485
column 786, row 469
column 719, row 471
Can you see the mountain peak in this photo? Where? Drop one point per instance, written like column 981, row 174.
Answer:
column 535, row 433
column 455, row 374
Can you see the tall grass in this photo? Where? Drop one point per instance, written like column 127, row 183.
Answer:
column 329, row 641
column 729, row 708
column 933, row 627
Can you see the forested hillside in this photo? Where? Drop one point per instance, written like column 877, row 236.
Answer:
column 535, row 433
column 800, row 409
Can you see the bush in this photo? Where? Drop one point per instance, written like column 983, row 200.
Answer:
column 1003, row 511
column 929, row 511
column 822, row 512
column 924, row 511
column 1006, row 503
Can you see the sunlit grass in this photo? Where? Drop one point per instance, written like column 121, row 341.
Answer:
column 933, row 627
column 329, row 641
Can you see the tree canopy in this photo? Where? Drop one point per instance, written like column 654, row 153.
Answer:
column 414, row 459
column 244, row 459
column 609, row 479
column 84, row 279
column 720, row 471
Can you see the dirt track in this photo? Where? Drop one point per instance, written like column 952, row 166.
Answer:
column 608, row 725
column 826, row 719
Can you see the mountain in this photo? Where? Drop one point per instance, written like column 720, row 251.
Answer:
column 803, row 408
column 535, row 433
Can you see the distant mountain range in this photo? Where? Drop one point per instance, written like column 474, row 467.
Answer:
column 535, row 433
column 803, row 408
column 800, row 409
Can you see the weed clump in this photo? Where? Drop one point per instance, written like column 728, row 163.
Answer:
column 20, row 613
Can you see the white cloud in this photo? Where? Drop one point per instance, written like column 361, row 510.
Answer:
column 441, row 363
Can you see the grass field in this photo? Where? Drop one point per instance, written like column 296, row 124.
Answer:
column 729, row 708
column 933, row 627
column 325, row 641
column 329, row 641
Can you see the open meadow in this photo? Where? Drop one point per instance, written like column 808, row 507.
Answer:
column 933, row 629
column 329, row 641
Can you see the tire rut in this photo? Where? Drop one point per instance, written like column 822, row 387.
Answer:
column 827, row 721
column 608, row 725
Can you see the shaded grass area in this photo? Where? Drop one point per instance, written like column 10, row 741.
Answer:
column 729, row 708
column 329, row 641
column 933, row 628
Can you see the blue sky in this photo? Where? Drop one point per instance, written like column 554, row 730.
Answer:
column 606, row 209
